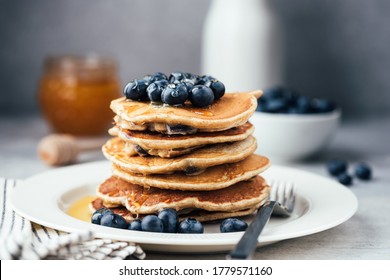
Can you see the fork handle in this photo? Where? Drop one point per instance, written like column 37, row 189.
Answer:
column 247, row 244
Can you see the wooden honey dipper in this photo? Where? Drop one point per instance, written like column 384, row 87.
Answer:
column 63, row 149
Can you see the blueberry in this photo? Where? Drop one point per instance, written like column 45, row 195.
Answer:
column 174, row 94
column 345, row 179
column 155, row 90
column 169, row 219
column 277, row 105
column 201, row 96
column 97, row 215
column 190, row 225
column 304, row 105
column 217, row 87
column 176, row 77
column 135, row 225
column 273, row 92
column 337, row 166
column 205, row 79
column 158, row 76
column 233, row 225
column 113, row 220
column 189, row 86
column 152, row 223
column 136, row 90
column 322, row 106
column 363, row 171
column 190, row 78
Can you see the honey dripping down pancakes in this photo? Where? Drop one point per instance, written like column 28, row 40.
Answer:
column 195, row 156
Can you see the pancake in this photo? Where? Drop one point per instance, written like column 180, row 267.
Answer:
column 213, row 178
column 232, row 110
column 140, row 200
column 200, row 159
column 148, row 140
column 200, row 215
column 134, row 150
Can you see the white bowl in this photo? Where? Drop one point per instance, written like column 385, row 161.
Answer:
column 293, row 137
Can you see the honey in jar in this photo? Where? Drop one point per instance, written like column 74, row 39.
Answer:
column 75, row 93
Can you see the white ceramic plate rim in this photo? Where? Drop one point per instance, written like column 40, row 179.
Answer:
column 38, row 200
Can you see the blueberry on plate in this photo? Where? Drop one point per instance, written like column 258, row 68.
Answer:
column 136, row 90
column 190, row 225
column 152, row 223
column 113, row 220
column 174, row 94
column 363, row 171
column 135, row 225
column 233, row 225
column 345, row 179
column 201, row 96
column 97, row 215
column 169, row 219
column 217, row 87
column 155, row 90
column 337, row 166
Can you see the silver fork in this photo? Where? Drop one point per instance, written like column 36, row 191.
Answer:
column 281, row 203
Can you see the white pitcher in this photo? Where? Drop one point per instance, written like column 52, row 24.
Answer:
column 241, row 45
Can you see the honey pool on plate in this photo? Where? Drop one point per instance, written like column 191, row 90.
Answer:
column 80, row 210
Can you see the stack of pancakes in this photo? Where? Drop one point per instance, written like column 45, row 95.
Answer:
column 199, row 161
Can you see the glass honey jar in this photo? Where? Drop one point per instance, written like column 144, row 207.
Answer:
column 75, row 93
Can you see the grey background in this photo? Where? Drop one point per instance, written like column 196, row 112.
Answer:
column 334, row 49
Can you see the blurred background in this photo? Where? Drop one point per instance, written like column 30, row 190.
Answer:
column 333, row 49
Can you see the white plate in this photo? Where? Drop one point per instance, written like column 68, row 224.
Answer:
column 321, row 204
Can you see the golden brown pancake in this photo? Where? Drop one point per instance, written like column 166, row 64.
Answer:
column 232, row 110
column 157, row 144
column 213, row 178
column 200, row 215
column 153, row 140
column 200, row 159
column 139, row 200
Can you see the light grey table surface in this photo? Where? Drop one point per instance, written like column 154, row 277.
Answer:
column 365, row 236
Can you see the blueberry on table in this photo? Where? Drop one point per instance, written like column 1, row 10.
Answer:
column 363, row 171
column 136, row 90
column 113, row 220
column 152, row 223
column 201, row 96
column 97, row 215
column 155, row 89
column 174, row 94
column 169, row 219
column 135, row 225
column 337, row 166
column 190, row 225
column 233, row 225
column 345, row 179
